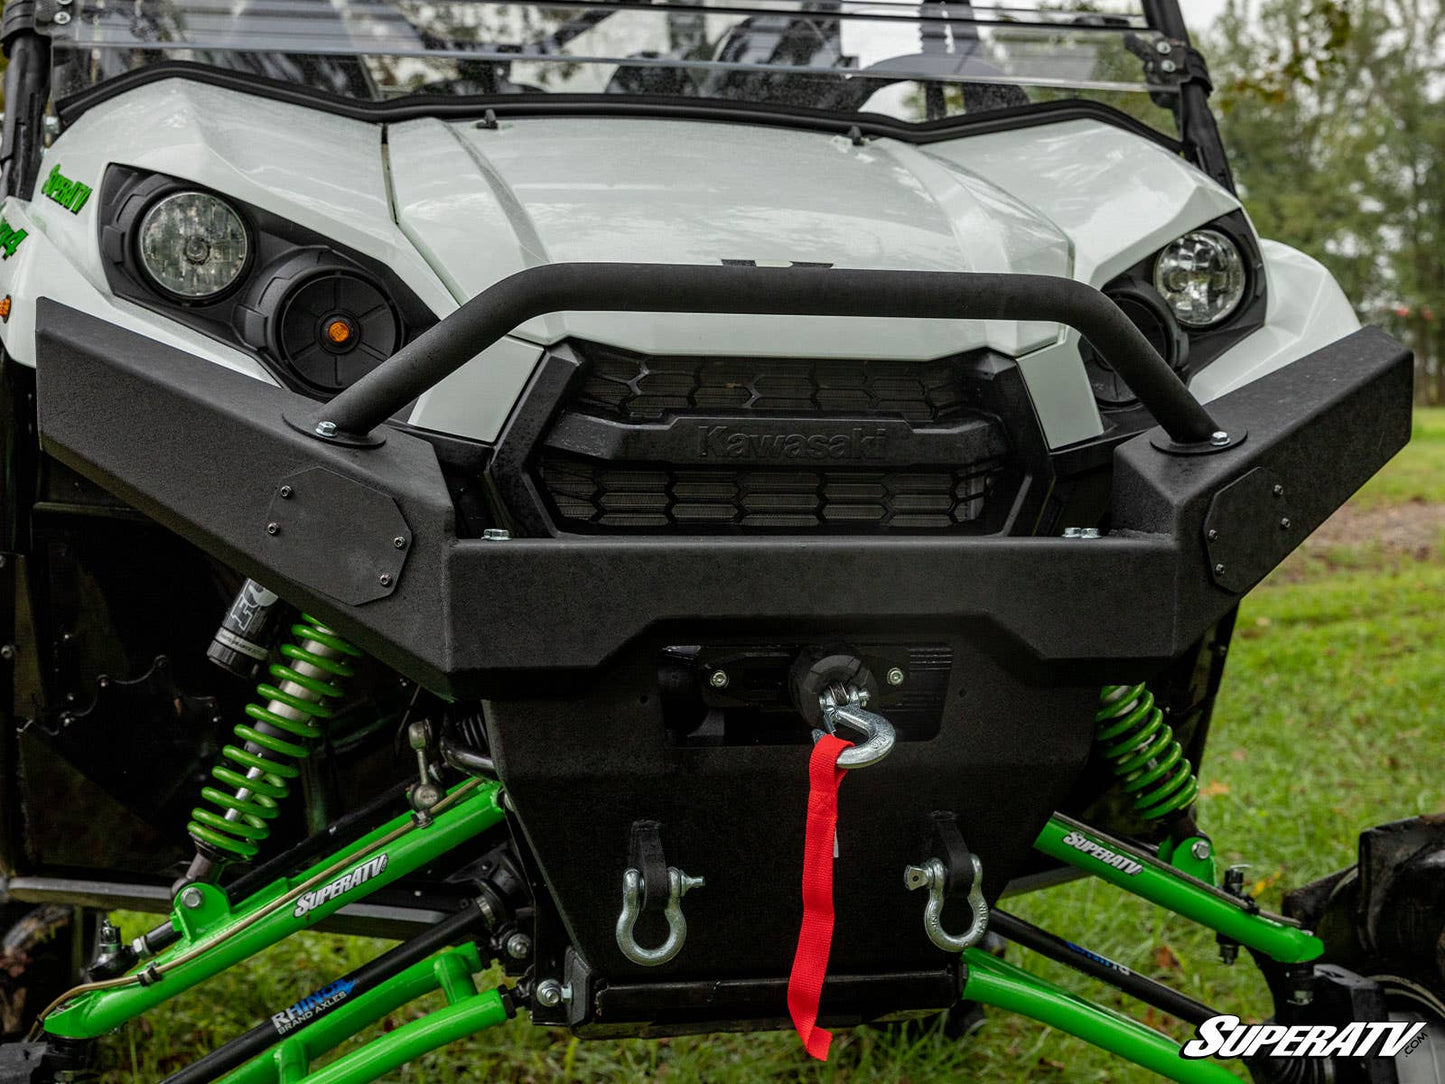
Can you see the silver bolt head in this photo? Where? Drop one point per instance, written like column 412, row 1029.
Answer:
column 273, row 528
column 1284, row 524
column 62, row 17
column 1219, row 438
column 385, row 579
column 7, row 652
column 286, row 492
column 896, row 676
column 519, row 946
column 1162, row 46
column 917, row 877
column 1279, row 491
column 497, row 534
column 1201, row 849
column 686, row 883
column 399, row 542
column 192, row 898
column 718, row 679
column 326, row 429
column 1219, row 569
column 548, row 993
column 1073, row 532
column 1213, row 535
column 1168, row 66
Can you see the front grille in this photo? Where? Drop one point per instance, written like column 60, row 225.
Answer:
column 635, row 388
column 696, row 445
column 658, row 496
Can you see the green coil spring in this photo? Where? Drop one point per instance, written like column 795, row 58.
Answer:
column 1147, row 758
column 257, row 777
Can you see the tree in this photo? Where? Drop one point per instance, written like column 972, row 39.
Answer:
column 1333, row 113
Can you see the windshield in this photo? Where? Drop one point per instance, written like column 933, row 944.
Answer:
column 911, row 61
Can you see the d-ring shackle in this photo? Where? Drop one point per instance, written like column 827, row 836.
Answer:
column 844, row 705
column 678, row 885
column 934, row 877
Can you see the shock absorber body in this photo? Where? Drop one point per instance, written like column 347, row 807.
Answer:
column 256, row 774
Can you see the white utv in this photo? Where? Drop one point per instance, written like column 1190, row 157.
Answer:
column 579, row 419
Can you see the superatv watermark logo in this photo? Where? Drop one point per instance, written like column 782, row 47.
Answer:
column 342, row 885
column 312, row 1005
column 725, row 442
column 1120, row 862
column 1226, row 1037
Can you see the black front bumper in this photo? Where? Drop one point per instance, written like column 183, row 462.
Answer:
column 205, row 451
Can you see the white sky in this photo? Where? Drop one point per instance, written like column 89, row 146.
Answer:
column 1200, row 13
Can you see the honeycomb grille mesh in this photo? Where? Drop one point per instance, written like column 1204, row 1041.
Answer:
column 623, row 497
column 634, row 388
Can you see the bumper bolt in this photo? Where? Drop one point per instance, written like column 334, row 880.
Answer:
column 549, row 993
column 519, row 946
column 1219, row 438
column 1200, row 850
column 192, row 898
column 326, row 429
column 895, row 677
column 718, row 679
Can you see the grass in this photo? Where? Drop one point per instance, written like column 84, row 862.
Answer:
column 1324, row 728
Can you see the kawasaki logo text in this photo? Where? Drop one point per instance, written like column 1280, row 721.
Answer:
column 725, row 442
column 342, row 885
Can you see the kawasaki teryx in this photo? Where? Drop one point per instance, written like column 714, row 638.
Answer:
column 481, row 473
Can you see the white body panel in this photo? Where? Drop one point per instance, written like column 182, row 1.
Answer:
column 453, row 208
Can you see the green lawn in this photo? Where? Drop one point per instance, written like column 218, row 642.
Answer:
column 1326, row 726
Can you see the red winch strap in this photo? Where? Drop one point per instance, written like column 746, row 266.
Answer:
column 815, row 938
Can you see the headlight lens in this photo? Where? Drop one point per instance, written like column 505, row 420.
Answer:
column 1202, row 277
column 194, row 245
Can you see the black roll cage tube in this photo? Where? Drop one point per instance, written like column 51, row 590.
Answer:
column 793, row 291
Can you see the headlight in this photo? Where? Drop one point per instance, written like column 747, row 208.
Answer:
column 193, row 245
column 1202, row 277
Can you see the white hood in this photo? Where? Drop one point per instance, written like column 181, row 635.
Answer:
column 483, row 203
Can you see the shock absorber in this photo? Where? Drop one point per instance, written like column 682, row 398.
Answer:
column 256, row 774
column 1146, row 757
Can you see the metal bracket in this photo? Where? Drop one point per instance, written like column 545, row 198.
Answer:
column 340, row 537
column 844, row 705
column 932, row 875
column 679, row 884
column 1252, row 524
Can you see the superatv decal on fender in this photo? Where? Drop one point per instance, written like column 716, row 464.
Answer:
column 1103, row 854
column 71, row 195
column 342, row 885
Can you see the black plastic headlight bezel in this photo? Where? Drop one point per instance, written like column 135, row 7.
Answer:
column 126, row 194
